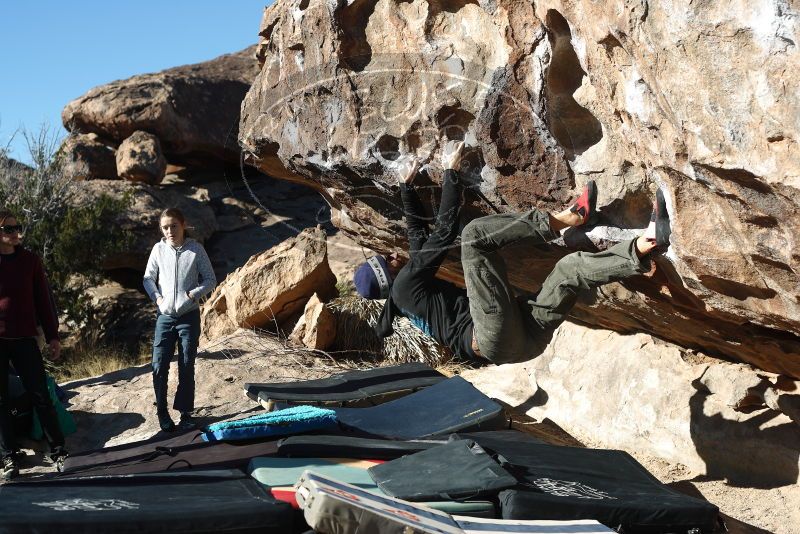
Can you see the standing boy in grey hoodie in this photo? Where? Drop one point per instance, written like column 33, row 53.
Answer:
column 178, row 274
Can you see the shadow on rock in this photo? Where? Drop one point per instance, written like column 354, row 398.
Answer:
column 95, row 429
column 222, row 354
column 287, row 210
column 742, row 452
column 539, row 398
column 107, row 379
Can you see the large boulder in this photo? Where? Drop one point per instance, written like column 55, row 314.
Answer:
column 271, row 287
column 87, row 157
column 690, row 97
column 139, row 158
column 141, row 218
column 193, row 109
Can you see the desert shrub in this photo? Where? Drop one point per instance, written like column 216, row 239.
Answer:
column 346, row 288
column 72, row 240
column 355, row 319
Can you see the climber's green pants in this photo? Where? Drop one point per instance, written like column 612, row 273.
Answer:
column 510, row 328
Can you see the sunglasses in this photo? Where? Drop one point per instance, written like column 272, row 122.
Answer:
column 11, row 229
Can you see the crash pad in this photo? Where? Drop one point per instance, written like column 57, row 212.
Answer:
column 279, row 475
column 357, row 388
column 198, row 501
column 292, row 420
column 449, row 406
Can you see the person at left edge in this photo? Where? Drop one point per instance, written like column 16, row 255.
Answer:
column 25, row 300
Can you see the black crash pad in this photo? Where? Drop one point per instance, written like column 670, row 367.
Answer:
column 352, row 388
column 449, row 406
column 499, row 438
column 327, row 446
column 457, row 470
column 344, row 446
column 185, row 451
column 199, row 501
column 609, row 486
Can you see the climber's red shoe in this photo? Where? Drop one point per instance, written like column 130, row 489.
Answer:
column 586, row 204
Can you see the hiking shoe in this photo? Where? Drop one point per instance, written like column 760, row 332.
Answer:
column 165, row 422
column 187, row 422
column 57, row 457
column 659, row 228
column 586, row 204
column 10, row 469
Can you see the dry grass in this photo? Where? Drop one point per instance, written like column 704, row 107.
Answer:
column 257, row 342
column 455, row 367
column 85, row 360
column 355, row 319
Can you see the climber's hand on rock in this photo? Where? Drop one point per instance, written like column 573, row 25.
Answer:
column 451, row 154
column 407, row 167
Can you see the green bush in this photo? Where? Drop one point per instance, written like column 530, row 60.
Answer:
column 73, row 241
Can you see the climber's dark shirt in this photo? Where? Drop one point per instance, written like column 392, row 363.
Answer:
column 438, row 308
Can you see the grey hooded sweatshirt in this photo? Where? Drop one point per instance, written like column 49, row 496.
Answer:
column 180, row 275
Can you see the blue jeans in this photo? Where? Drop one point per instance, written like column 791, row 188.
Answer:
column 169, row 330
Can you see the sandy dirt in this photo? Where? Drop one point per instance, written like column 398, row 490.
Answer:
column 746, row 509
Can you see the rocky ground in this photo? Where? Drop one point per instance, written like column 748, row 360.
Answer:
column 746, row 509
column 117, row 408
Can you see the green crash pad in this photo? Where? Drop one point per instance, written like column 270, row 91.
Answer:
column 280, row 474
column 65, row 420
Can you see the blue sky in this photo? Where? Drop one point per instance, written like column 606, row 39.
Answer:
column 54, row 51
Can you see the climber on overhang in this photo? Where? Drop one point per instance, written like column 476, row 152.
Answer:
column 487, row 319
